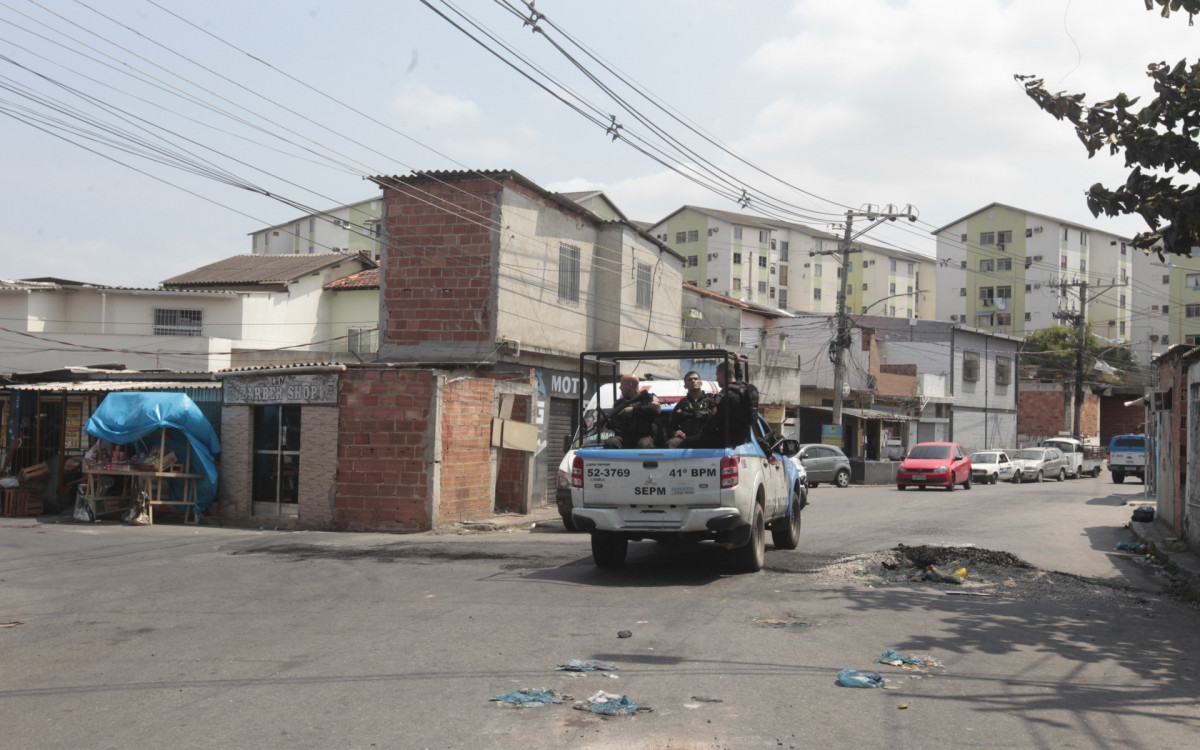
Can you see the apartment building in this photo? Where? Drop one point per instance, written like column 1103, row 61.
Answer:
column 781, row 264
column 1007, row 270
column 352, row 228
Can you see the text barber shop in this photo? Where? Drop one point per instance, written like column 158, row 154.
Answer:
column 280, row 438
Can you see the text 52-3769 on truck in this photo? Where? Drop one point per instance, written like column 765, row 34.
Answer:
column 731, row 489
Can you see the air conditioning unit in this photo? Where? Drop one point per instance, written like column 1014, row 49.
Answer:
column 1037, row 286
column 1112, row 322
column 1037, row 258
column 691, row 313
column 1028, row 232
column 1037, row 230
column 953, row 318
column 1154, row 337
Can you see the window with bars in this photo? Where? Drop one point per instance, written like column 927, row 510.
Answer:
column 645, row 288
column 568, row 272
column 171, row 322
column 1003, row 370
column 971, row 365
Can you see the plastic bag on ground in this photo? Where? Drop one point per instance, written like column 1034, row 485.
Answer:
column 609, row 704
column 528, row 697
column 83, row 509
column 855, row 679
column 897, row 659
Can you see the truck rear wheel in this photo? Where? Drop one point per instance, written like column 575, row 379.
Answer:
column 1118, row 477
column 750, row 557
column 608, row 549
column 1095, row 471
column 785, row 532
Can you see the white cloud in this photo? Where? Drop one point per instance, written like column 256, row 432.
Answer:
column 421, row 107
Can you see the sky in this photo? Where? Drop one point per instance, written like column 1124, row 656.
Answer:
column 144, row 138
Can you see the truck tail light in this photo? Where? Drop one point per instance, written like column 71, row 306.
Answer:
column 577, row 473
column 729, row 472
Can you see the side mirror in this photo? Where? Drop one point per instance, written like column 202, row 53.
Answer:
column 787, row 447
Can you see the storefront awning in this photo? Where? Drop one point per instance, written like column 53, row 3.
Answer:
column 108, row 386
column 867, row 414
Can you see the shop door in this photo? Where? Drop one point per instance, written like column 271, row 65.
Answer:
column 563, row 413
column 276, row 480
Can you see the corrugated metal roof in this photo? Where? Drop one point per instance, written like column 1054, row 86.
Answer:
column 106, row 386
column 261, row 269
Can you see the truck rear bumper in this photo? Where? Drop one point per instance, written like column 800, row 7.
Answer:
column 650, row 520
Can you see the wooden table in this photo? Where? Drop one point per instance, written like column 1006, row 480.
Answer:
column 153, row 483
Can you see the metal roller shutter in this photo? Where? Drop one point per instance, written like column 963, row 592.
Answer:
column 562, row 425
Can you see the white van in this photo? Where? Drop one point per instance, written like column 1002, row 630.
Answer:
column 669, row 392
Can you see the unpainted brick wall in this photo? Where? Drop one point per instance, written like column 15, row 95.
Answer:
column 511, row 492
column 385, row 436
column 438, row 285
column 467, row 454
column 1042, row 413
column 1118, row 419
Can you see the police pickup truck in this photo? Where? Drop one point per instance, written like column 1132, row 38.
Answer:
column 729, row 495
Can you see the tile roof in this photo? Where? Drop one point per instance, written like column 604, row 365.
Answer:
column 368, row 279
column 261, row 269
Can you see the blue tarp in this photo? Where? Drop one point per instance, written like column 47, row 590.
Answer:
column 123, row 418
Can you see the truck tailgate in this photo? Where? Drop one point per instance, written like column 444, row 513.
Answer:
column 653, row 484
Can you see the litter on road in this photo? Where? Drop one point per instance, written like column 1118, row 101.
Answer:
column 897, row 659
column 527, row 697
column 855, row 679
column 1138, row 547
column 609, row 704
column 772, row 622
column 931, row 573
column 586, row 665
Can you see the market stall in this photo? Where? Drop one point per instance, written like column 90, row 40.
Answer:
column 141, row 437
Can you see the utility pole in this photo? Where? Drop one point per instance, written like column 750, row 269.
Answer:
column 1080, row 321
column 841, row 341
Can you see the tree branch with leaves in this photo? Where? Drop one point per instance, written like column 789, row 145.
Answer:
column 1159, row 142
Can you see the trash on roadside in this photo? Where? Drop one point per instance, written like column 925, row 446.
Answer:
column 528, row 697
column 897, row 659
column 933, row 574
column 855, row 679
column 1143, row 513
column 12, row 624
column 773, row 622
column 707, row 699
column 892, row 564
column 902, row 706
column 1138, row 547
column 586, row 665
column 624, row 633
column 609, row 704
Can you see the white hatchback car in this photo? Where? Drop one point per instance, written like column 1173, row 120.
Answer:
column 989, row 467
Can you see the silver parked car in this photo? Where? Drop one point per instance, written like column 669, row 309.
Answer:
column 1037, row 464
column 824, row 463
column 989, row 467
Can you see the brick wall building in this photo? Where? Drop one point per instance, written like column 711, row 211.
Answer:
column 1047, row 409
column 363, row 448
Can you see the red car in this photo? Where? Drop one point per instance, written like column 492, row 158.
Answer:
column 935, row 465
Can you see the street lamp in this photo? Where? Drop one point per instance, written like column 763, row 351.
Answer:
column 893, row 296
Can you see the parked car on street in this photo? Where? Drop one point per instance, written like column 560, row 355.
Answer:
column 989, row 467
column 935, row 465
column 1036, row 464
column 824, row 463
column 1081, row 459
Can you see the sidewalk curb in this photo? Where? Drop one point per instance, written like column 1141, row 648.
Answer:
column 1181, row 564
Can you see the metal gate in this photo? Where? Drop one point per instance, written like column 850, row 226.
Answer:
column 562, row 425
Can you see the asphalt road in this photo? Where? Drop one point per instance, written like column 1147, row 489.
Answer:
column 174, row 636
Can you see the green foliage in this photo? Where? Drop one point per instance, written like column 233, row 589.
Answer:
column 1159, row 137
column 1052, row 351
